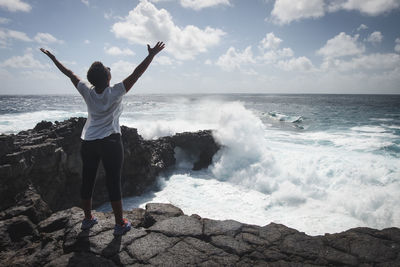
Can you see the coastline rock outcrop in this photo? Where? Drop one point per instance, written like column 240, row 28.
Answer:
column 162, row 235
column 47, row 158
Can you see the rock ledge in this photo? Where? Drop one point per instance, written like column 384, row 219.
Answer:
column 162, row 235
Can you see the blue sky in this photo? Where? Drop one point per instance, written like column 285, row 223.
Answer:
column 212, row 46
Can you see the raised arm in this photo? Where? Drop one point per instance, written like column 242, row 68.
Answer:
column 74, row 79
column 131, row 79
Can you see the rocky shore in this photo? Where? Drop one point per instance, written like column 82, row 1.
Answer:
column 40, row 223
column 48, row 158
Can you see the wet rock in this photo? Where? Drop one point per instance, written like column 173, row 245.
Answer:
column 200, row 146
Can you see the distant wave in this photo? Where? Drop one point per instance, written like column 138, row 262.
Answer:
column 296, row 121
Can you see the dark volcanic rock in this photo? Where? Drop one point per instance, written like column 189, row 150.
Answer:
column 47, row 158
column 30, row 204
column 176, row 239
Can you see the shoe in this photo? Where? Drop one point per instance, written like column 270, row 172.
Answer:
column 88, row 223
column 122, row 229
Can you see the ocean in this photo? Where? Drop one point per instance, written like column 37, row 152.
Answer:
column 317, row 163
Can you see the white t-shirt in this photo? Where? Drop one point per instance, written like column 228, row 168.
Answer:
column 103, row 110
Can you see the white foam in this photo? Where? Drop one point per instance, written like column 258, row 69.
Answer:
column 369, row 129
column 210, row 198
column 15, row 122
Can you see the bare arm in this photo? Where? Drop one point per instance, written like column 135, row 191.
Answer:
column 131, row 79
column 74, row 79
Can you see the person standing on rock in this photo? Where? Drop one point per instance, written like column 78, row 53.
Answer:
column 101, row 135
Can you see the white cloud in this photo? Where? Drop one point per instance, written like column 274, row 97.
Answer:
column 397, row 45
column 200, row 4
column 15, row 5
column 296, row 64
column 233, row 59
column 85, row 2
column 270, row 41
column 18, row 36
column 116, row 51
column 147, row 24
column 25, row 61
column 269, row 49
column 46, row 38
column 208, row 62
column 362, row 27
column 86, row 41
column 121, row 69
column 274, row 55
column 163, row 60
column 368, row 7
column 341, row 45
column 197, row 4
column 269, row 54
column 375, row 37
column 286, row 11
column 377, row 62
column 7, row 35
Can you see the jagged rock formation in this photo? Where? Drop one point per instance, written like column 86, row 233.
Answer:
column 164, row 236
column 48, row 158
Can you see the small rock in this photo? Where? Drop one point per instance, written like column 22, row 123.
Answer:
column 43, row 125
column 160, row 211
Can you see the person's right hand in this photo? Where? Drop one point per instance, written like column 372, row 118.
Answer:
column 156, row 49
column 47, row 52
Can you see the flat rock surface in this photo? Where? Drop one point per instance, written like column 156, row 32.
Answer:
column 175, row 239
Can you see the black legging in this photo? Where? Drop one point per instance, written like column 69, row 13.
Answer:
column 110, row 151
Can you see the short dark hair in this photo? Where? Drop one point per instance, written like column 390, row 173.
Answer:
column 97, row 74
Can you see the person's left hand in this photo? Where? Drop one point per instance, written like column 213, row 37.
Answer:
column 156, row 49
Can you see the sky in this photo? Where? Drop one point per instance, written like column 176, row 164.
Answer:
column 212, row 46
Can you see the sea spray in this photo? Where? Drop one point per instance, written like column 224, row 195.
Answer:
column 244, row 158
